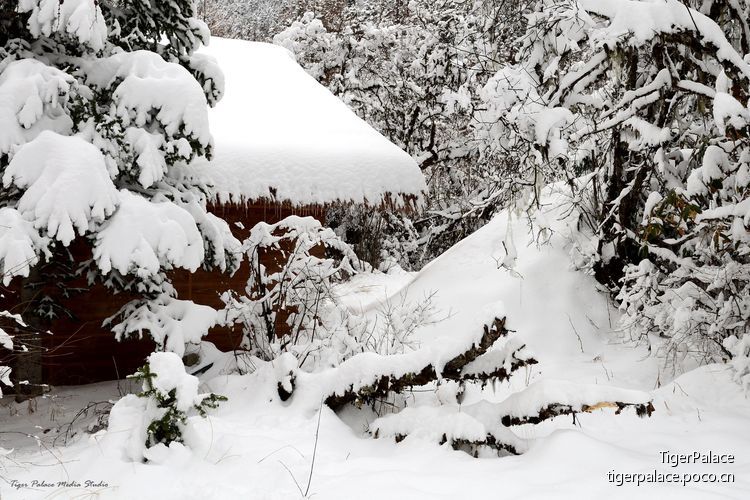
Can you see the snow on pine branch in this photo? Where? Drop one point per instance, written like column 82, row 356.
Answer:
column 221, row 247
column 143, row 237
column 20, row 245
column 67, row 187
column 82, row 19
column 142, row 82
column 147, row 90
column 33, row 97
column 170, row 322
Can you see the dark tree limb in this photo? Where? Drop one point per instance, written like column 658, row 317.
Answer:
column 452, row 371
column 555, row 410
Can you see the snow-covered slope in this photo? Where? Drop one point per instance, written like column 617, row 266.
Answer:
column 558, row 311
column 281, row 135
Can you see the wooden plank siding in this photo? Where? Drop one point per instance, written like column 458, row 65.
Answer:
column 80, row 350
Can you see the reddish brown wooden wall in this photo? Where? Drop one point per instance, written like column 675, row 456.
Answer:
column 80, row 350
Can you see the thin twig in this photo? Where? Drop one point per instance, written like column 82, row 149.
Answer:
column 315, row 448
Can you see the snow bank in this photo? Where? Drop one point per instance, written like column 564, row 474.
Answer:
column 280, row 135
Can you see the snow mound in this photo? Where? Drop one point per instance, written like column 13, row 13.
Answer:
column 280, row 135
column 430, row 423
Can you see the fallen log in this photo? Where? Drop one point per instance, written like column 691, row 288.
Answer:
column 453, row 370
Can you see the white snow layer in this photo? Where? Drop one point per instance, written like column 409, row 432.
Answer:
column 280, row 135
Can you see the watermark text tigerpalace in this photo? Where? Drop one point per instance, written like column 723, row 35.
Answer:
column 674, row 460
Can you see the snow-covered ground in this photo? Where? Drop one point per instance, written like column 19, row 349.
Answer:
column 255, row 446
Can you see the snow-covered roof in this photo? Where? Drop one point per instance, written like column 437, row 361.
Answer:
column 282, row 136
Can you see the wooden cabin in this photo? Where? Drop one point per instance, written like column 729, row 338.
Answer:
column 283, row 145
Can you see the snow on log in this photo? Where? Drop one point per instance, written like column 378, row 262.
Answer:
column 468, row 428
column 498, row 364
column 547, row 399
column 486, row 425
column 384, row 381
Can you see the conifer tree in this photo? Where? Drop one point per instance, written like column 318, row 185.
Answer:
column 102, row 103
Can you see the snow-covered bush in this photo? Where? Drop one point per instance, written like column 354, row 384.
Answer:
column 289, row 303
column 100, row 103
column 384, row 239
column 168, row 395
column 260, row 20
column 292, row 303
